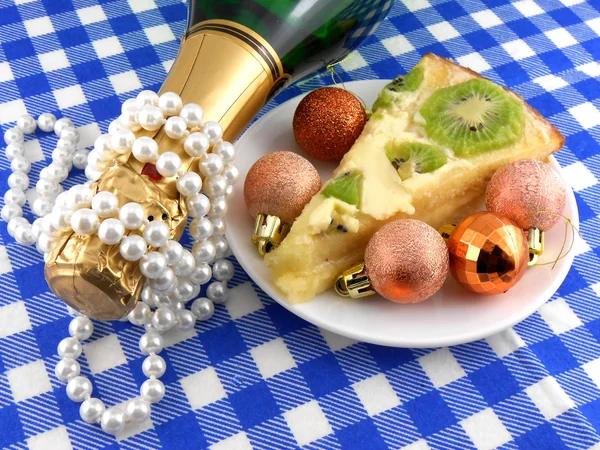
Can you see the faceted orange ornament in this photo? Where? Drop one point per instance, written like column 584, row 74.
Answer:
column 488, row 253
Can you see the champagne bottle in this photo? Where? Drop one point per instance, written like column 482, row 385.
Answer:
column 235, row 56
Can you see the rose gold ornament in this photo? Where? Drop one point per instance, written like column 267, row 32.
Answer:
column 277, row 188
column 488, row 253
column 406, row 261
column 528, row 192
column 327, row 122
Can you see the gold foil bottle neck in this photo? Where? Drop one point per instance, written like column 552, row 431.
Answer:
column 229, row 71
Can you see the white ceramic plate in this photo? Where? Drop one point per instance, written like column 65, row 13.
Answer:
column 452, row 316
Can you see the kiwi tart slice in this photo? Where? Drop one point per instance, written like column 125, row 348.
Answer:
column 410, row 158
column 402, row 83
column 345, row 188
column 473, row 117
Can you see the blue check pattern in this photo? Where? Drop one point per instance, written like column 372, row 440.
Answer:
column 256, row 376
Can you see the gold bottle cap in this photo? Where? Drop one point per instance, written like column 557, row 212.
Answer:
column 535, row 242
column 269, row 231
column 354, row 283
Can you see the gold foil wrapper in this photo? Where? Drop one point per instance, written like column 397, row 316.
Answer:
column 231, row 78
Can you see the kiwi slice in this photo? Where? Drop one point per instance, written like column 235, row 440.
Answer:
column 403, row 83
column 410, row 158
column 345, row 188
column 473, row 117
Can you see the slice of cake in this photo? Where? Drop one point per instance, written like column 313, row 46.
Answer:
column 436, row 137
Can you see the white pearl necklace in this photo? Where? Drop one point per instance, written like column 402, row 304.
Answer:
column 174, row 274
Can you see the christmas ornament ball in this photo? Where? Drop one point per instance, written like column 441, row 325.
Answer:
column 406, row 261
column 488, row 253
column 280, row 184
column 327, row 122
column 528, row 192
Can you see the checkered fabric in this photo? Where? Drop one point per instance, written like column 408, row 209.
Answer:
column 255, row 375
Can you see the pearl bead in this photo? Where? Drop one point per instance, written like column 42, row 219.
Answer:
column 113, row 420
column 225, row 150
column 129, row 121
column 69, row 348
column 223, row 270
column 184, row 290
column 14, row 149
column 132, row 215
column 221, row 245
column 91, row 410
column 80, row 158
column 70, row 134
column 168, row 164
column 102, row 146
column 187, row 320
column 26, row 124
column 197, row 205
column 213, row 130
column 203, row 308
column 46, row 122
column 60, row 218
column 218, row 207
column 200, row 228
column 186, row 265
column 81, row 328
column 156, row 234
column 217, row 291
column 45, row 243
column 20, row 164
column 137, row 410
column 111, row 231
column 146, row 98
column 173, row 252
column 204, row 251
column 18, row 180
column 163, row 319
column 85, row 221
column 151, row 342
column 60, row 124
column 151, row 118
column 61, row 156
column 170, row 103
column 14, row 223
column 152, row 390
column 167, row 281
column 210, row 165
column 24, row 236
column 15, row 195
column 105, row 204
column 147, row 296
column 218, row 226
column 216, row 186
column 189, row 184
column 81, row 196
column 79, row 389
column 67, row 369
column 14, row 135
column 95, row 161
column 141, row 314
column 11, row 211
column 145, row 149
column 57, row 172
column 196, row 144
column 42, row 206
column 132, row 247
column 163, row 299
column 46, row 226
column 201, row 274
column 36, row 229
column 175, row 127
column 122, row 141
column 47, row 188
column 129, row 105
column 192, row 114
column 92, row 174
column 231, row 173
column 153, row 264
column 154, row 366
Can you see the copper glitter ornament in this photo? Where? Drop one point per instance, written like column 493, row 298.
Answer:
column 327, row 122
column 406, row 261
column 277, row 188
column 488, row 253
column 528, row 192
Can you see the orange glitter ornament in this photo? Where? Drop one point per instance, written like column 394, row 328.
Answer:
column 488, row 253
column 327, row 122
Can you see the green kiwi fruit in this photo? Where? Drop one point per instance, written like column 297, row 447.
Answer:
column 410, row 158
column 345, row 188
column 473, row 117
column 403, row 83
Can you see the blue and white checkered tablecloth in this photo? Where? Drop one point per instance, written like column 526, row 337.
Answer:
column 256, row 376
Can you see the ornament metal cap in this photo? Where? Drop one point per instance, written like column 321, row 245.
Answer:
column 446, row 230
column 535, row 242
column 354, row 283
column 269, row 231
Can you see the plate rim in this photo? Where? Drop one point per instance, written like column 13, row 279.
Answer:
column 462, row 338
